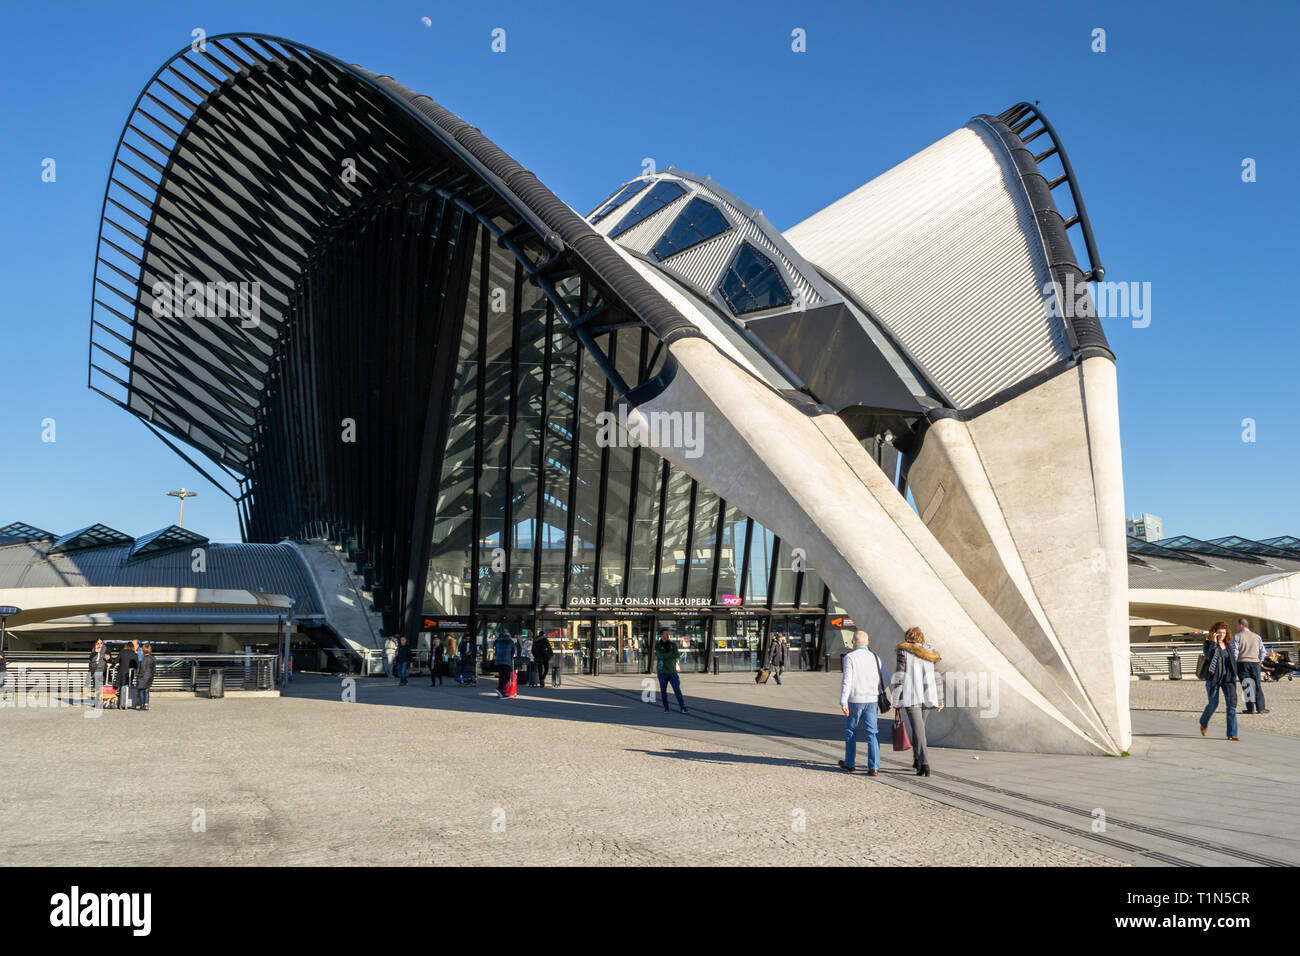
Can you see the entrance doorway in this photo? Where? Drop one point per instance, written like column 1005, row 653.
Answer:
column 622, row 645
column 738, row 642
column 570, row 638
column 803, row 635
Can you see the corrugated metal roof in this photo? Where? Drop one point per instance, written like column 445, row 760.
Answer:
column 270, row 568
column 944, row 249
column 1219, row 574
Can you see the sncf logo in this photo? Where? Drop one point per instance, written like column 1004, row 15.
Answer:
column 77, row 909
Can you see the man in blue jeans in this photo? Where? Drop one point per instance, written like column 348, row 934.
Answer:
column 403, row 661
column 864, row 675
column 666, row 657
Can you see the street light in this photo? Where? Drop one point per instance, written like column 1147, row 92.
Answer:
column 182, row 494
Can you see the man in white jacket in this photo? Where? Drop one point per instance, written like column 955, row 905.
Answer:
column 864, row 675
column 390, row 654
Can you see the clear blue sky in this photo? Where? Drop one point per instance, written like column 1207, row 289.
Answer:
column 1157, row 127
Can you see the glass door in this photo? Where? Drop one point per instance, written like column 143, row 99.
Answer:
column 567, row 637
column 622, row 645
column 738, row 642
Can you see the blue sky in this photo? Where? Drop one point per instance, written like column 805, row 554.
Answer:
column 1157, row 128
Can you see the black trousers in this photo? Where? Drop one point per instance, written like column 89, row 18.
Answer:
column 1252, row 689
column 503, row 677
column 542, row 668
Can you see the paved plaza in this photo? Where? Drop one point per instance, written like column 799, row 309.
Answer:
column 592, row 774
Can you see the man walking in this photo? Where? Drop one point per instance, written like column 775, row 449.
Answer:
column 778, row 656
column 503, row 659
column 1249, row 650
column 864, row 676
column 542, row 656
column 403, row 661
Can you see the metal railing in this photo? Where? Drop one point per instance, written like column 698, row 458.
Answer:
column 173, row 672
column 1151, row 660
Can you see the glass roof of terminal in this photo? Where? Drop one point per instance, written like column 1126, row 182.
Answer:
column 698, row 221
column 95, row 536
column 1138, row 546
column 166, row 539
column 1248, row 546
column 24, row 532
column 1195, row 545
column 666, row 191
column 624, row 194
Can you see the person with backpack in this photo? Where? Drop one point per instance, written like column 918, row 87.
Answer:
column 1218, row 668
column 863, row 689
column 667, row 655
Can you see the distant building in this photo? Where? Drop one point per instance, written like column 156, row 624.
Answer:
column 1146, row 527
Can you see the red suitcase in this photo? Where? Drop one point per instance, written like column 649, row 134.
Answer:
column 512, row 684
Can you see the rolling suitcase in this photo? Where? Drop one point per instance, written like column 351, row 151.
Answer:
column 512, row 684
column 762, row 676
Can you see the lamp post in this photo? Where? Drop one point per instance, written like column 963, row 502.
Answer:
column 182, row 493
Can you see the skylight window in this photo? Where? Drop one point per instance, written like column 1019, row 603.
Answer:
column 698, row 221
column 664, row 192
column 752, row 283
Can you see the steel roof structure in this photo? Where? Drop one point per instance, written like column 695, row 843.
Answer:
column 365, row 322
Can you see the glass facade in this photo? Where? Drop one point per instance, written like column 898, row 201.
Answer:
column 542, row 529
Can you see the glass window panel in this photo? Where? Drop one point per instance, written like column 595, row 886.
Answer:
column 526, row 455
column 751, row 282
column 613, row 556
column 731, row 553
column 582, row 549
column 699, row 220
column 645, row 528
column 624, row 194
column 677, row 510
column 665, row 192
column 786, row 577
column 760, row 562
column 447, row 588
column 700, row 582
column 558, row 454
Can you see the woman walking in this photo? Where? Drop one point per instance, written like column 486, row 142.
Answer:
column 143, row 679
column 918, row 691
column 1220, row 676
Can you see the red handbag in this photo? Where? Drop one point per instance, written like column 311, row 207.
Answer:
column 901, row 739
